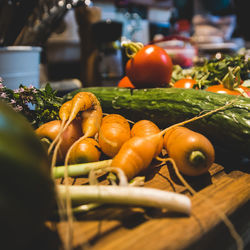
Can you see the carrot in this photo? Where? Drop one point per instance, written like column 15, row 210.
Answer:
column 145, row 128
column 67, row 113
column 82, row 101
column 92, row 118
column 114, row 131
column 69, row 110
column 85, row 150
column 137, row 153
column 91, row 122
column 65, row 110
column 64, row 115
column 192, row 152
column 51, row 129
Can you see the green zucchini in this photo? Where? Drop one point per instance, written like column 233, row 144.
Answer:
column 228, row 129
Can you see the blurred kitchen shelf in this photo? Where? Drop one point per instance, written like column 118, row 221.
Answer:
column 167, row 4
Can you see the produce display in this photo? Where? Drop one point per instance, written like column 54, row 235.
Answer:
column 230, row 71
column 191, row 153
column 225, row 74
column 159, row 114
column 228, row 129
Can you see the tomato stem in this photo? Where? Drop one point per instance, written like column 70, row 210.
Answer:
column 131, row 48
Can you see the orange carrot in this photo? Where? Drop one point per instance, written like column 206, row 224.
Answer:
column 192, row 152
column 64, row 111
column 91, row 122
column 114, row 131
column 51, row 129
column 85, row 150
column 136, row 154
column 64, row 115
column 82, row 101
column 92, row 118
column 144, row 128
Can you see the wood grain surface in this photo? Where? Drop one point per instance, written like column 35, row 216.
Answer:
column 125, row 227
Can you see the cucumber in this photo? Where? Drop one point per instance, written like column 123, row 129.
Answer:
column 228, row 129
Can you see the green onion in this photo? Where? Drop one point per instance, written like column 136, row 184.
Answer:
column 80, row 169
column 129, row 195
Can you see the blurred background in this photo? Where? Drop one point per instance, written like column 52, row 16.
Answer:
column 79, row 41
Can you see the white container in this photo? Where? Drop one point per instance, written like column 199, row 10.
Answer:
column 20, row 65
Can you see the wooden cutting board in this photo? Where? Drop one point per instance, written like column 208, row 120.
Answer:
column 126, row 228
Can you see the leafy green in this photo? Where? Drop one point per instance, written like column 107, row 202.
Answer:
column 213, row 71
column 37, row 105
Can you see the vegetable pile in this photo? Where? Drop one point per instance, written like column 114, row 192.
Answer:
column 190, row 153
column 224, row 75
column 92, row 141
column 228, row 130
column 212, row 71
column 172, row 120
column 150, row 67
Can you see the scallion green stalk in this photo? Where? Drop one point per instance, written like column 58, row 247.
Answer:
column 80, row 169
column 137, row 196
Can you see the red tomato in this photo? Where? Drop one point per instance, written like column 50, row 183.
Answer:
column 125, row 83
column 185, row 83
column 150, row 67
column 222, row 90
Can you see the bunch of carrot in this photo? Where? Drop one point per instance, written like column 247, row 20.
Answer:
column 83, row 134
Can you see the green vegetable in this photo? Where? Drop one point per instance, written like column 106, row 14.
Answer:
column 213, row 71
column 26, row 189
column 80, row 169
column 127, row 195
column 37, row 105
column 228, row 129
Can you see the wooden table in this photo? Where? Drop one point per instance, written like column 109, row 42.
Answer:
column 126, row 228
